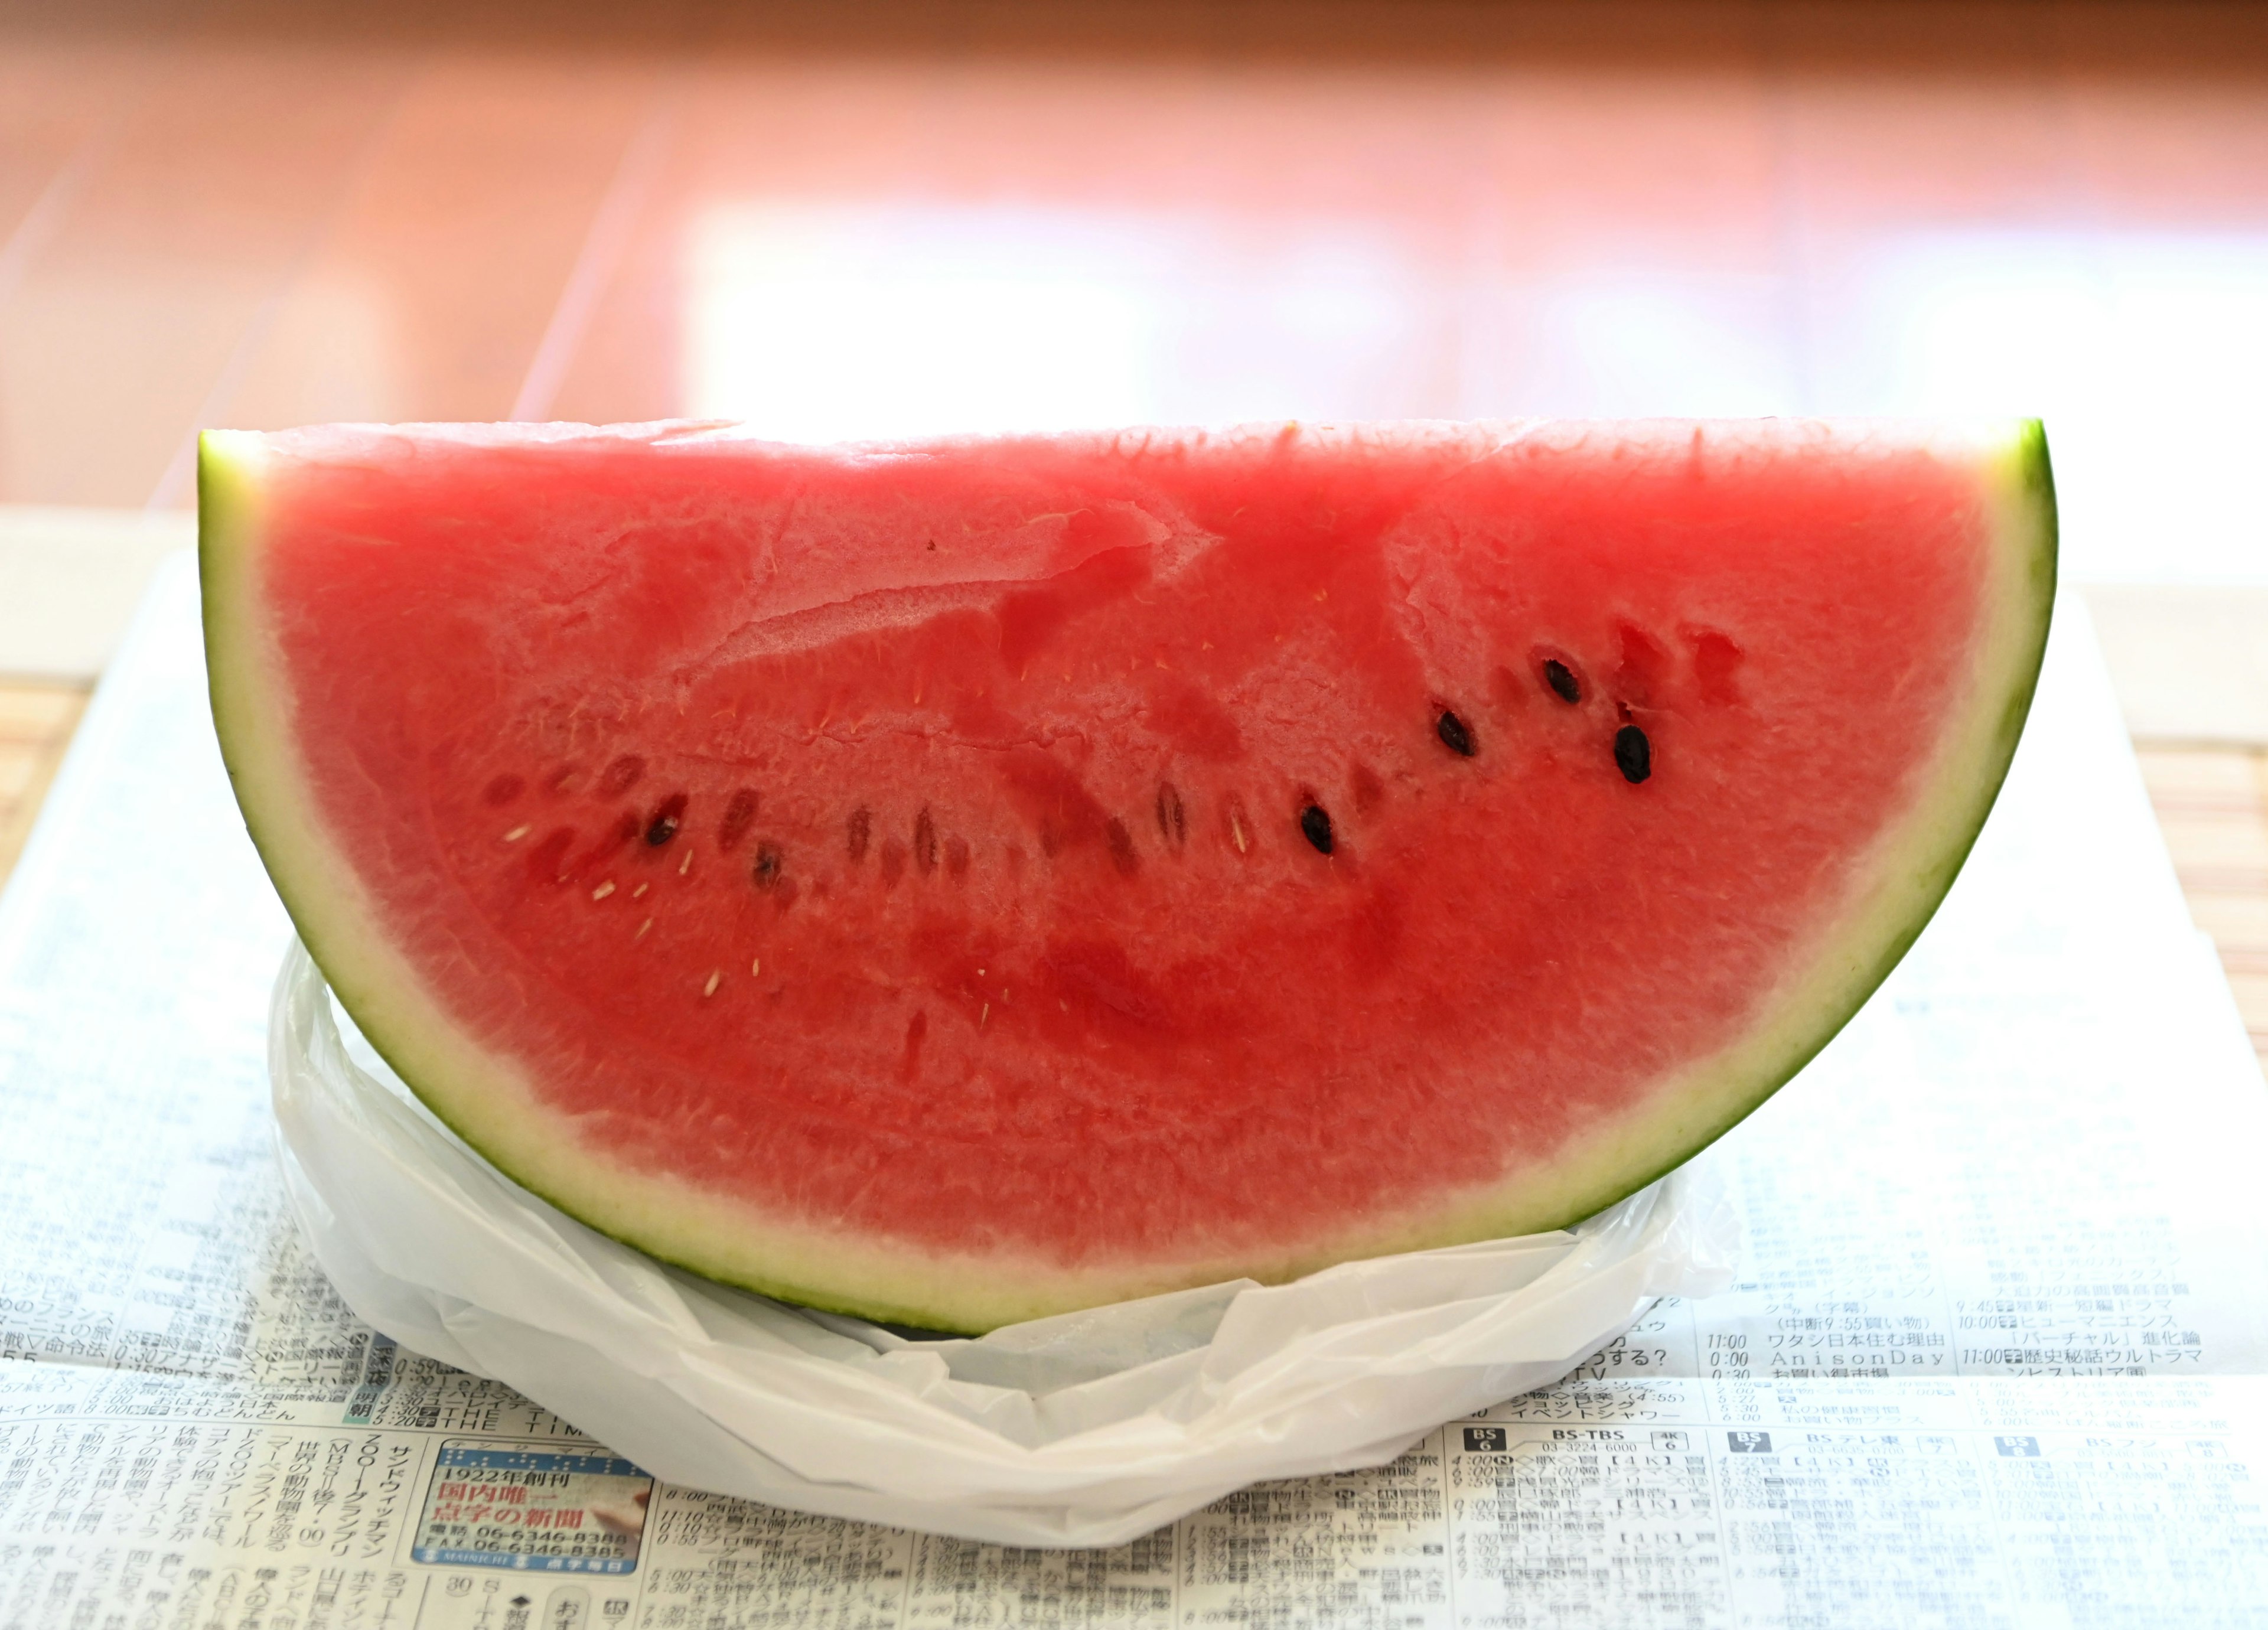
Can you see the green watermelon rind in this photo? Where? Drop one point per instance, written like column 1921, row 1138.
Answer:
column 1913, row 867
column 2029, row 538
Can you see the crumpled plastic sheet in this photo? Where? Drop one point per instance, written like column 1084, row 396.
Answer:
column 1088, row 1428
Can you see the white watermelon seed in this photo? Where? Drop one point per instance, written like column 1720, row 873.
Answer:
column 686, row 865
column 603, row 889
column 985, row 1014
column 640, row 889
column 756, row 967
column 643, row 926
column 709, row 989
column 517, row 833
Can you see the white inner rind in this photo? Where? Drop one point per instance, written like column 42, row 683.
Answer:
column 489, row 1100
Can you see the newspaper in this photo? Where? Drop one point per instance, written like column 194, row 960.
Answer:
column 134, row 1499
column 2004, row 1291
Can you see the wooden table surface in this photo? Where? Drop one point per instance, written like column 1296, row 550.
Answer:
column 251, row 213
column 247, row 213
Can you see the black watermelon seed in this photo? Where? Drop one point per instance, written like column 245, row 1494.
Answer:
column 1315, row 822
column 1633, row 755
column 1455, row 734
column 621, row 776
column 1562, row 681
column 666, row 820
column 769, row 861
column 858, row 831
column 740, row 810
column 925, row 842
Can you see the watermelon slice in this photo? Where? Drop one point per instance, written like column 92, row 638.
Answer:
column 960, row 881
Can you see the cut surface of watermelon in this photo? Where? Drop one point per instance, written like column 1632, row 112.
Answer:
column 960, row 881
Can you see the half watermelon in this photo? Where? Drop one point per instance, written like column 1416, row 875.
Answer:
column 960, row 881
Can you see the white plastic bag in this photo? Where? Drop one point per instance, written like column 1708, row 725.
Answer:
column 1085, row 1429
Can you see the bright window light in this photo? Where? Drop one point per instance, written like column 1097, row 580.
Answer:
column 825, row 322
column 2144, row 354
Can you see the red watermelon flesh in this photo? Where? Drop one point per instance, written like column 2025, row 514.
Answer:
column 961, row 881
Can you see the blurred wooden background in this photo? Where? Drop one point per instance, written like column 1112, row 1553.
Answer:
column 831, row 217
